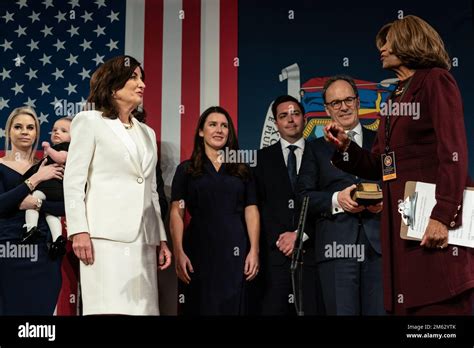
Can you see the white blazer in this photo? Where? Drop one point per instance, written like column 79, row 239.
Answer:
column 107, row 192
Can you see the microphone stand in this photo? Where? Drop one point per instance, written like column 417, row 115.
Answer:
column 297, row 259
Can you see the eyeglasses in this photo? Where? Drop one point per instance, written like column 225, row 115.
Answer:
column 337, row 104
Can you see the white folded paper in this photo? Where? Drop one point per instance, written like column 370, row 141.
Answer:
column 464, row 235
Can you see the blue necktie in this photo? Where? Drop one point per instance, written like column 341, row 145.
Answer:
column 291, row 165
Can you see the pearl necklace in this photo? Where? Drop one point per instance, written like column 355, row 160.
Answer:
column 128, row 125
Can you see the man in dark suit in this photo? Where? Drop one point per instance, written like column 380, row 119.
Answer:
column 347, row 235
column 276, row 175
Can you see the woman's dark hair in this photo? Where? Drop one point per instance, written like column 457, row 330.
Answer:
column 108, row 78
column 196, row 165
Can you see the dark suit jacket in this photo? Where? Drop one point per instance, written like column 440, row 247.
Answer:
column 275, row 200
column 319, row 179
column 432, row 149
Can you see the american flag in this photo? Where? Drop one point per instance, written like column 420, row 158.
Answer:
column 190, row 52
column 50, row 48
column 188, row 48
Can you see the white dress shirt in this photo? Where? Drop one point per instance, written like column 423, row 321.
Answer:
column 298, row 151
column 358, row 138
column 299, row 156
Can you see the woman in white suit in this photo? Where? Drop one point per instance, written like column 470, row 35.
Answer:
column 112, row 208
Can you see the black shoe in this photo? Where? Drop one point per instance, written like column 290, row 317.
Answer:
column 57, row 248
column 29, row 235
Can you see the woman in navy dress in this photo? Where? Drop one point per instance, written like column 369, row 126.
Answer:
column 29, row 281
column 218, row 252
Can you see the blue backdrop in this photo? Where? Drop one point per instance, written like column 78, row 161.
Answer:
column 326, row 38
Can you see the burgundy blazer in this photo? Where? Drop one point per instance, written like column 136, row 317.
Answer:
column 430, row 147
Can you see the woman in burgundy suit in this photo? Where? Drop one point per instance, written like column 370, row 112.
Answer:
column 427, row 278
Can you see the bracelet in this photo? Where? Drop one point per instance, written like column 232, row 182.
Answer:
column 30, row 185
column 39, row 203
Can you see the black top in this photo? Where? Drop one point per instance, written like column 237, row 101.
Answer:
column 58, row 147
column 13, row 191
column 53, row 188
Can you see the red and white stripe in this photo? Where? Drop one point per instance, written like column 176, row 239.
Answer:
column 189, row 50
column 188, row 62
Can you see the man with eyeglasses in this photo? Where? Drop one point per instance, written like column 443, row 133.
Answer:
column 347, row 235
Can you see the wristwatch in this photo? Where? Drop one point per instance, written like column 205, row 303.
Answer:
column 30, row 185
column 39, row 203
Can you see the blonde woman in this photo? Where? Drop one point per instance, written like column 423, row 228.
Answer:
column 30, row 281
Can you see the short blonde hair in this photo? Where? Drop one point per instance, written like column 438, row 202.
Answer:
column 415, row 42
column 24, row 110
